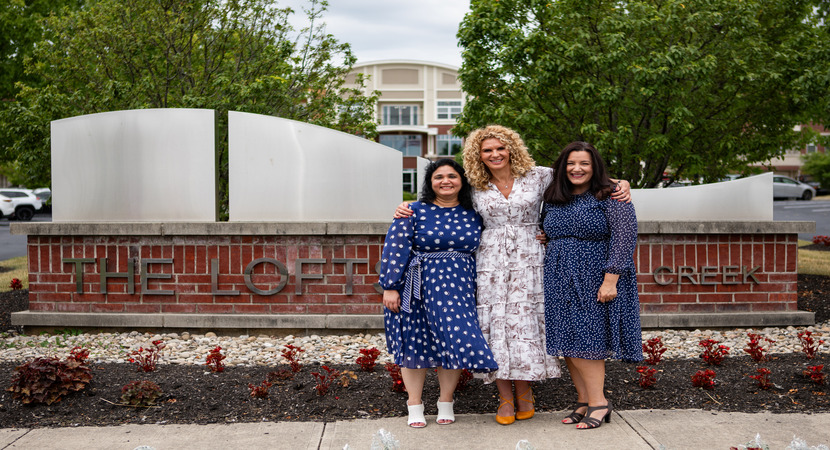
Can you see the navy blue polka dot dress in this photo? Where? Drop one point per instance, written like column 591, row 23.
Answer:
column 434, row 248
column 588, row 238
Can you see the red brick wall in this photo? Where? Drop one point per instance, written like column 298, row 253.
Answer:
column 52, row 283
column 773, row 254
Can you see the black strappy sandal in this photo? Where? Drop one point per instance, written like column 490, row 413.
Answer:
column 591, row 422
column 575, row 416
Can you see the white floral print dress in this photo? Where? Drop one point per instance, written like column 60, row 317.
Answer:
column 511, row 301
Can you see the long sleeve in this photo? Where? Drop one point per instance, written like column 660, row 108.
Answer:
column 622, row 221
column 397, row 248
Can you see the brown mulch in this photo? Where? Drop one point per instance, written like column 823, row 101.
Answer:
column 192, row 394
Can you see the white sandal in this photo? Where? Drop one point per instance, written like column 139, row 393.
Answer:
column 416, row 415
column 445, row 413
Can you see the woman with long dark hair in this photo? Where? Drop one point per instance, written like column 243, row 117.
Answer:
column 592, row 310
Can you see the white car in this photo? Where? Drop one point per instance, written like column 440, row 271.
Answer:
column 25, row 202
column 785, row 187
column 6, row 206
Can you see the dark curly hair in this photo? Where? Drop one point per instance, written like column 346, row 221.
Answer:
column 465, row 196
column 560, row 189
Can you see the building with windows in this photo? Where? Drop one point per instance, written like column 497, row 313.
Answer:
column 419, row 102
column 791, row 162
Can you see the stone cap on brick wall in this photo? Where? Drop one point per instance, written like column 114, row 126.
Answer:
column 357, row 228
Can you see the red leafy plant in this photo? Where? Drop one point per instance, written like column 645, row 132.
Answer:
column 756, row 348
column 292, row 355
column 464, row 380
column 260, row 391
column 809, row 346
column 647, row 379
column 704, row 379
column 48, row 380
column 324, row 380
column 654, row 348
column 214, row 360
column 762, row 378
column 16, row 284
column 397, row 381
column 280, row 376
column 140, row 393
column 821, row 240
column 815, row 373
column 713, row 351
column 367, row 359
column 147, row 358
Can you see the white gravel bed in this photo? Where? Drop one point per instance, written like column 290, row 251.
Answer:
column 189, row 348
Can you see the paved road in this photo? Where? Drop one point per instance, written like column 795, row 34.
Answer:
column 12, row 246
column 815, row 210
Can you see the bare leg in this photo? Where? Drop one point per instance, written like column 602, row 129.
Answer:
column 505, row 391
column 413, row 379
column 592, row 373
column 447, row 380
column 522, row 386
column 581, row 389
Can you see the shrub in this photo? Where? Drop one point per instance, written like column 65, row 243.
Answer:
column 147, row 358
column 16, row 284
column 397, row 381
column 291, row 354
column 654, row 348
column 280, row 376
column 647, row 379
column 808, row 345
column 815, row 373
column 464, row 380
column 762, row 378
column 756, row 348
column 713, row 353
column 140, row 393
column 324, row 380
column 47, row 380
column 821, row 240
column 214, row 360
column 260, row 391
column 367, row 359
column 704, row 379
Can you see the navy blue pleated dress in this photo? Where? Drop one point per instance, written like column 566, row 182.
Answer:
column 588, row 238
column 429, row 259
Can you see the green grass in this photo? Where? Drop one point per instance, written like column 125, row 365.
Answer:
column 813, row 262
column 19, row 269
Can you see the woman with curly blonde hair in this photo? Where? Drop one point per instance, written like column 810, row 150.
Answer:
column 508, row 192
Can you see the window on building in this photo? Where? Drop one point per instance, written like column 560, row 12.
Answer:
column 449, row 109
column 447, row 145
column 811, row 148
column 400, row 115
column 409, row 180
column 408, row 144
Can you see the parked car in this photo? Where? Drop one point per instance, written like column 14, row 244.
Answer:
column 815, row 184
column 6, row 206
column 45, row 196
column 25, row 202
column 786, row 187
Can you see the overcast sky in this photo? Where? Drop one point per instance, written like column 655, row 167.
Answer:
column 394, row 29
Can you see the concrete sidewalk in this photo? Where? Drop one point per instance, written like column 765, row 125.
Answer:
column 641, row 429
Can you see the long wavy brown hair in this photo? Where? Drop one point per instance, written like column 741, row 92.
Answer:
column 479, row 175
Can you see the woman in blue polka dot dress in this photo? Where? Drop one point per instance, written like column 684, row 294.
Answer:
column 428, row 274
column 592, row 311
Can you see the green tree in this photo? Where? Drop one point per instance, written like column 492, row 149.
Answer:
column 21, row 27
column 698, row 88
column 818, row 165
column 239, row 55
